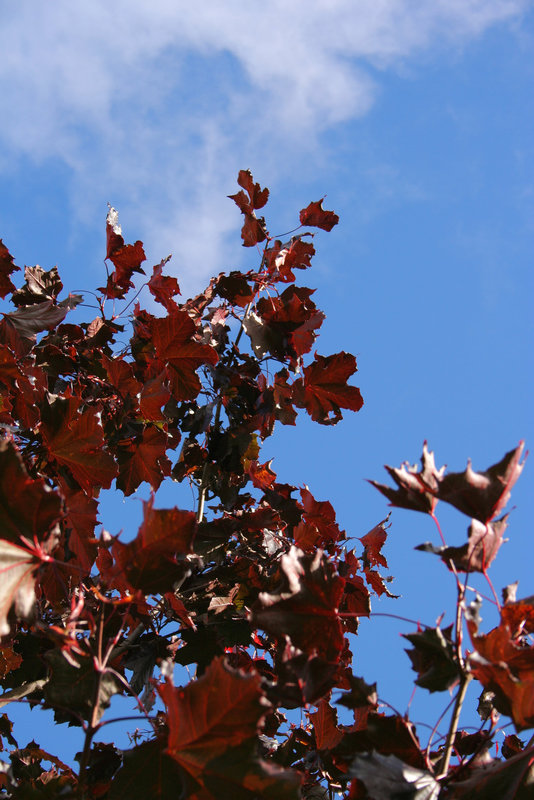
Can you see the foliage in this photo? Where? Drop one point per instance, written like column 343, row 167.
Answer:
column 258, row 588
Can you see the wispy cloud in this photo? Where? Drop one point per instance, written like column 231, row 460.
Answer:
column 155, row 107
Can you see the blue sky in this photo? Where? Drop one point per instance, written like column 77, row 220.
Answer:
column 414, row 118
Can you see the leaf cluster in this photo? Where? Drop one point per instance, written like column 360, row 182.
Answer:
column 257, row 590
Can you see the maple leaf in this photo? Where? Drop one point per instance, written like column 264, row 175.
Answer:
column 20, row 328
column 324, row 721
column 18, row 568
column 235, row 288
column 144, row 459
column 305, row 607
column 80, row 523
column 483, row 495
column 388, row 778
column 28, row 507
column 505, row 666
column 176, row 347
column 212, row 723
column 7, row 267
column 253, row 230
column 316, row 216
column 323, row 390
column 416, row 490
column 40, row 285
column 154, row 560
column 283, row 259
column 75, row 439
column 484, row 541
column 318, row 527
column 164, row 287
column 433, row 658
column 126, row 258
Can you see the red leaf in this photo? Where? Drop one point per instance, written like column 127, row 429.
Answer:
column 154, row 395
column 126, row 258
column 175, row 346
column 316, row 216
column 143, row 460
column 323, row 391
column 213, row 724
column 373, row 543
column 154, row 560
column 318, row 527
column 417, row 490
column 76, row 440
column 479, row 551
column 261, row 475
column 7, row 267
column 505, row 666
column 324, row 720
column 28, row 507
column 17, row 583
column 258, row 196
column 305, row 607
column 80, row 523
column 164, row 287
column 483, row 495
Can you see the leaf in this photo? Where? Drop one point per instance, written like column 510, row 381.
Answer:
column 144, row 459
column 71, row 690
column 253, row 230
column 324, row 721
column 7, row 267
column 163, row 287
column 483, row 495
column 480, row 550
column 323, row 390
column 316, row 216
column 17, row 587
column 505, row 666
column 19, row 328
column 433, row 659
column 212, row 723
column 148, row 772
column 417, row 490
column 154, row 560
column 258, row 196
column 41, row 285
column 28, row 507
column 318, row 527
column 173, row 338
column 305, row 606
column 388, row 778
column 75, row 439
column 508, row 780
column 126, row 258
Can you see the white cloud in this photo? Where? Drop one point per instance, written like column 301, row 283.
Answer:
column 155, row 106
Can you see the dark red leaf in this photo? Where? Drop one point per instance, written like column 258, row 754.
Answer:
column 483, row 495
column 417, row 489
column 316, row 216
column 479, row 551
column 323, row 390
column 75, row 439
column 7, row 267
column 505, row 666
column 40, row 285
column 28, row 507
column 126, row 258
column 164, row 287
column 324, row 721
column 144, row 459
column 154, row 560
column 305, row 607
column 173, row 338
column 433, row 658
column 258, row 196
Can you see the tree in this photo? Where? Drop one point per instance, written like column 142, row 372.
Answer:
column 258, row 587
